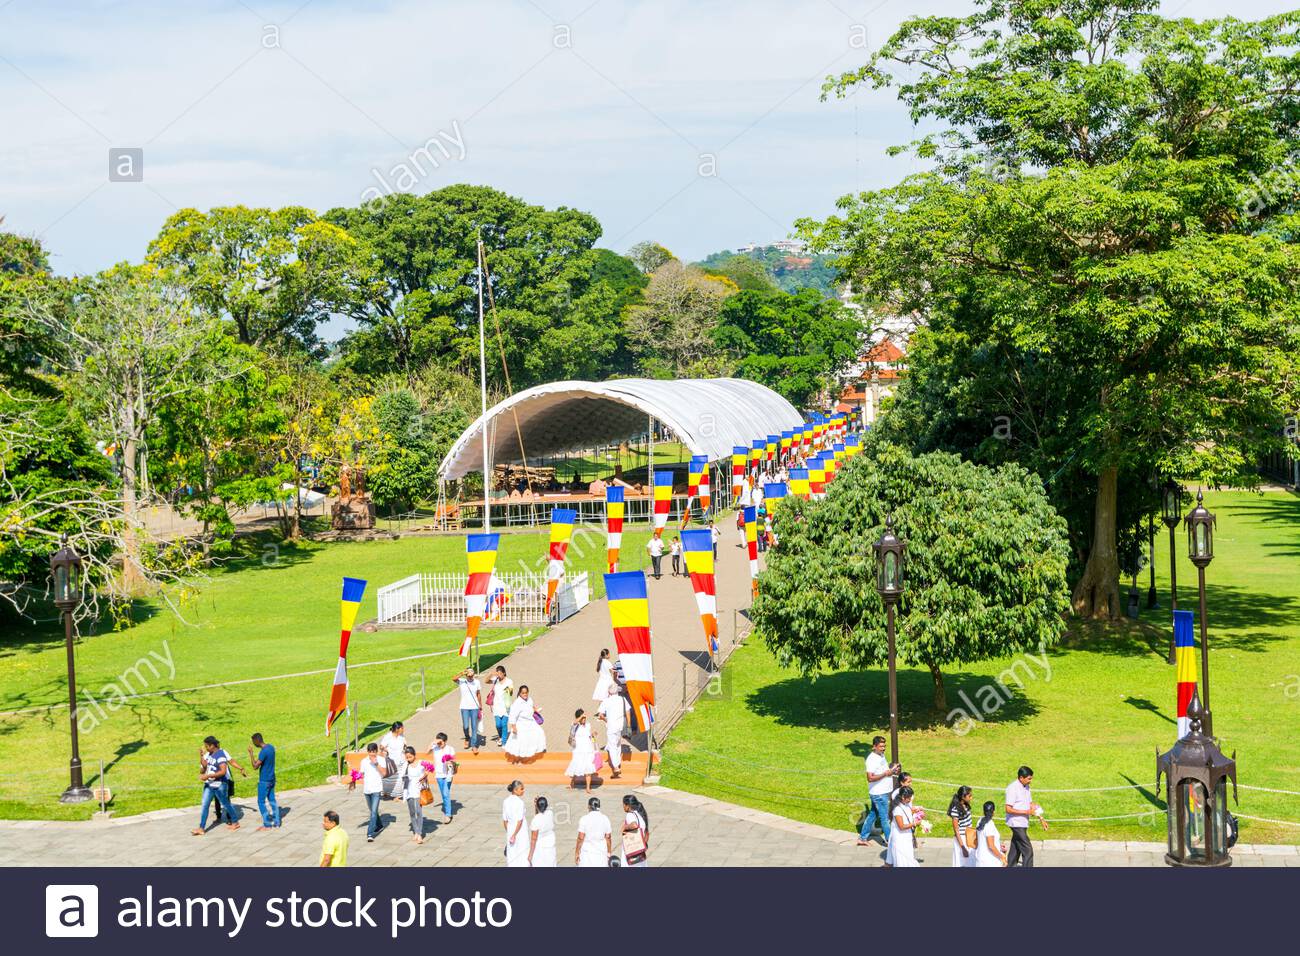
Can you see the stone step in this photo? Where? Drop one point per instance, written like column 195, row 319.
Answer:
column 547, row 769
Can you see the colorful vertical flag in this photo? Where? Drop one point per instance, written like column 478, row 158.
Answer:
column 738, row 453
column 756, row 454
column 1184, row 665
column 663, row 500
column 773, row 443
column 773, row 492
column 852, row 445
column 697, row 546
column 353, row 589
column 629, row 615
column 751, row 545
column 799, row 484
column 696, row 471
column 481, row 555
column 614, row 506
column 561, row 532
column 817, row 476
column 706, row 489
column 787, row 439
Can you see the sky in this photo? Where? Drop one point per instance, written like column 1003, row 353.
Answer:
column 699, row 125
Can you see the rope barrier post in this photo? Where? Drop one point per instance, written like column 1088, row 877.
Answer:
column 685, row 670
column 338, row 757
column 103, row 787
column 424, row 697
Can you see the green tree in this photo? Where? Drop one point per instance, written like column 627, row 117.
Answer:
column 1107, row 210
column 985, row 571
column 749, row 274
column 649, row 256
column 671, row 333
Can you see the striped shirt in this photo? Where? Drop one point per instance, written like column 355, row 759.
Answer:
column 961, row 813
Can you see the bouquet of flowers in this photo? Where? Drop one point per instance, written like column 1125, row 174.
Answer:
column 430, row 768
column 356, row 775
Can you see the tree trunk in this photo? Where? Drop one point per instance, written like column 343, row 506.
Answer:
column 133, row 578
column 1096, row 594
column 940, row 694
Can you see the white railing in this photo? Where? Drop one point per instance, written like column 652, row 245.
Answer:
column 439, row 599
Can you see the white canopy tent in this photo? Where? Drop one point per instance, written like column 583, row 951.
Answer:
column 708, row 416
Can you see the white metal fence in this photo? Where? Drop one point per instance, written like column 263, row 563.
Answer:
column 439, row 599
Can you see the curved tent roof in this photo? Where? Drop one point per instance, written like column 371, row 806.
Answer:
column 708, row 416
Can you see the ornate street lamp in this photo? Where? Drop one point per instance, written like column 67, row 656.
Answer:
column 1200, row 548
column 1171, row 512
column 65, row 572
column 891, row 560
column 1196, row 794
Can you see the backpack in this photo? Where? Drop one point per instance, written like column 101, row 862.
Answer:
column 573, row 734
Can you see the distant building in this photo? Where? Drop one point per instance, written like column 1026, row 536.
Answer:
column 873, row 379
column 789, row 246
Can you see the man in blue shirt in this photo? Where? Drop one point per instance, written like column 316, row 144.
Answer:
column 263, row 757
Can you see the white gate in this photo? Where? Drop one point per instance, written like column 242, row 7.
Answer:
column 439, row 600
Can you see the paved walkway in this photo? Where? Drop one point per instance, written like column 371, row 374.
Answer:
column 687, row 830
column 560, row 666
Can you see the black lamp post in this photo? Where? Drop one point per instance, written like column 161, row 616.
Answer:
column 1200, row 548
column 1171, row 512
column 1152, row 599
column 891, row 557
column 1196, row 795
column 65, row 569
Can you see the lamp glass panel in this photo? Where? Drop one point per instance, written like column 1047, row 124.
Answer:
column 1192, row 796
column 891, row 571
column 62, row 586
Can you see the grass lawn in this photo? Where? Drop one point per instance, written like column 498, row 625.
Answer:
column 273, row 612
column 776, row 741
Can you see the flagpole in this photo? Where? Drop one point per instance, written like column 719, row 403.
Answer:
column 482, row 384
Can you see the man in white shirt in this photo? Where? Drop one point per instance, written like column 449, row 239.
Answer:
column 613, row 711
column 372, row 788
column 471, row 706
column 1020, row 807
column 656, row 549
column 443, row 757
column 503, row 695
column 880, row 786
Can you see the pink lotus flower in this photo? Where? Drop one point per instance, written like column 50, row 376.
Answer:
column 428, row 766
column 356, row 775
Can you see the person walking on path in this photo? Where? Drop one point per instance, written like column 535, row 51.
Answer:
column 583, row 762
column 512, row 820
column 334, row 848
column 613, row 711
column 636, row 832
column 527, row 739
column 262, row 755
column 880, row 786
column 715, row 536
column 500, row 697
column 372, row 788
column 655, row 547
column 216, row 770
column 595, row 842
column 471, row 706
column 231, row 767
column 675, row 552
column 444, row 770
column 541, row 836
column 1020, row 807
column 415, row 780
column 604, row 676
column 392, row 749
column 903, row 820
column 988, row 851
column 959, row 812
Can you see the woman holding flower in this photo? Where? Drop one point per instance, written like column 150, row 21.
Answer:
column 442, row 763
column 902, row 848
column 414, row 779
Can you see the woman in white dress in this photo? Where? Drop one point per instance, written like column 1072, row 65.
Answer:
column 604, row 677
column 512, row 820
column 595, row 845
column 959, row 813
column 635, row 820
column 527, row 739
column 989, row 851
column 902, row 848
column 541, row 846
column 583, row 762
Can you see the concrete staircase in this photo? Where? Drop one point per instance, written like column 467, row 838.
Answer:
column 545, row 770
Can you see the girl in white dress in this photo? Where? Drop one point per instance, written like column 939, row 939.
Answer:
column 604, row 677
column 527, row 739
column 988, row 851
column 512, row 819
column 541, row 849
column 594, row 846
column 902, row 848
column 635, row 819
column 583, row 762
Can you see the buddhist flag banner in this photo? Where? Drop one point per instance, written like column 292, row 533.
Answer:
column 353, row 589
column 773, row 443
column 663, row 501
column 756, row 454
column 751, row 545
column 1184, row 664
column 613, row 524
column 787, row 439
column 817, row 476
column 706, row 489
column 830, row 463
column 773, row 492
column 561, row 531
column 738, row 453
column 799, row 484
column 805, row 435
column 629, row 615
column 698, row 549
column 481, row 553
column 852, row 445
column 696, row 472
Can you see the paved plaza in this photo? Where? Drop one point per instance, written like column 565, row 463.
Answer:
column 686, row 830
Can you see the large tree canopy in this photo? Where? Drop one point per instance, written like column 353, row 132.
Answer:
column 986, row 558
column 1107, row 286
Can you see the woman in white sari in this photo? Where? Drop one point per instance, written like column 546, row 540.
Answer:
column 541, row 849
column 583, row 762
column 527, row 739
column 595, row 844
column 604, row 677
column 512, row 819
column 635, row 822
column 902, row 846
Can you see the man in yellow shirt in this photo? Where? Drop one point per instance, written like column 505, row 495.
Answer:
column 334, row 848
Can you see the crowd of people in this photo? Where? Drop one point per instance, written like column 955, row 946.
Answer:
column 533, row 843
column 892, row 809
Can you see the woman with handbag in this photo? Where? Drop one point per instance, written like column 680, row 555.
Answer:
column 636, row 832
column 583, row 762
column 415, row 788
column 541, row 838
column 527, row 739
column 963, row 835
